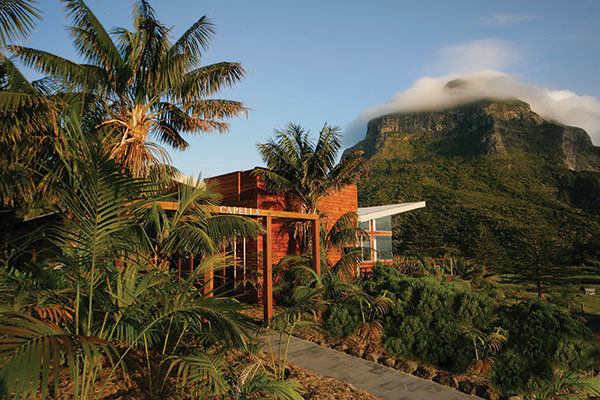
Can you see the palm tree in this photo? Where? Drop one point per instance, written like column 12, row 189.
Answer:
column 306, row 171
column 149, row 86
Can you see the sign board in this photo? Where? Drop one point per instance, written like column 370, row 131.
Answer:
column 252, row 212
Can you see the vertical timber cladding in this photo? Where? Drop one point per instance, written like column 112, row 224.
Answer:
column 334, row 206
column 240, row 189
column 244, row 189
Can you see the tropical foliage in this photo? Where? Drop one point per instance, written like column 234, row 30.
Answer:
column 427, row 317
column 97, row 312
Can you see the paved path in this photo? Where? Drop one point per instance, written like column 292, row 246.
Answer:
column 374, row 378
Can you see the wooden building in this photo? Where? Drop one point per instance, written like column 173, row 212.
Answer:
column 242, row 191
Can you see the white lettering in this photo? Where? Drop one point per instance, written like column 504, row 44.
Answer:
column 235, row 210
column 229, row 210
column 222, row 209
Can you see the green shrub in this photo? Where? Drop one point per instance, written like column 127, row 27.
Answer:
column 427, row 317
column 341, row 319
column 542, row 338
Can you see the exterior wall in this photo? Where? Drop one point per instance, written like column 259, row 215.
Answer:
column 334, row 206
column 243, row 188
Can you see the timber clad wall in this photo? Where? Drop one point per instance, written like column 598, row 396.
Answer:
column 334, row 206
column 243, row 188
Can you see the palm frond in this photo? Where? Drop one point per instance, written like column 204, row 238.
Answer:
column 261, row 385
column 78, row 76
column 31, row 350
column 194, row 40
column 17, row 19
column 90, row 38
column 200, row 376
column 208, row 80
column 98, row 198
column 570, row 386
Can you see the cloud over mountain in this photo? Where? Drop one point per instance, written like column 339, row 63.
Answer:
column 434, row 93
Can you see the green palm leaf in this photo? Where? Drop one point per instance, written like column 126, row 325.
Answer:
column 200, row 376
column 32, row 350
column 194, row 40
column 90, row 37
column 569, row 386
column 17, row 19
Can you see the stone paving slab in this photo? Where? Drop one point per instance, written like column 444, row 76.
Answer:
column 381, row 381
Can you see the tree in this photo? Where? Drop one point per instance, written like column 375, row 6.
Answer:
column 305, row 171
column 146, row 85
column 539, row 262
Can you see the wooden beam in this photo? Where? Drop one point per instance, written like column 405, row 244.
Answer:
column 191, row 263
column 268, row 270
column 246, row 211
column 316, row 246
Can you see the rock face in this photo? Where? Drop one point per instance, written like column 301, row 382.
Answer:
column 485, row 127
column 492, row 172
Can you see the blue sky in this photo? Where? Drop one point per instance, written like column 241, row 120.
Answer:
column 312, row 62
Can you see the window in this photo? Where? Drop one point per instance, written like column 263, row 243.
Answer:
column 364, row 225
column 383, row 247
column 383, row 224
column 365, row 245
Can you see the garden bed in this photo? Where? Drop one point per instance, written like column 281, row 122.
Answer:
column 467, row 383
column 135, row 387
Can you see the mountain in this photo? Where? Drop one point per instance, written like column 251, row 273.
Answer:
column 496, row 177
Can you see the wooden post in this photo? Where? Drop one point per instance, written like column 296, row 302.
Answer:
column 179, row 264
column 207, row 289
column 316, row 246
column 191, row 263
column 268, row 270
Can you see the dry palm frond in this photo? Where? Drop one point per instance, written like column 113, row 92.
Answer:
column 370, row 331
column 53, row 313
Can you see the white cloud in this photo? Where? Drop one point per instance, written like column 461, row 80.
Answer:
column 430, row 93
column 476, row 55
column 506, row 19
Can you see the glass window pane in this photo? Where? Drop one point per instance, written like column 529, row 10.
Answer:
column 364, row 226
column 365, row 244
column 383, row 244
column 384, row 224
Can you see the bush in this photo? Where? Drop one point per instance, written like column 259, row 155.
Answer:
column 542, row 338
column 341, row 319
column 427, row 317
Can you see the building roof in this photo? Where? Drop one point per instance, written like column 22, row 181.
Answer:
column 187, row 180
column 369, row 213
